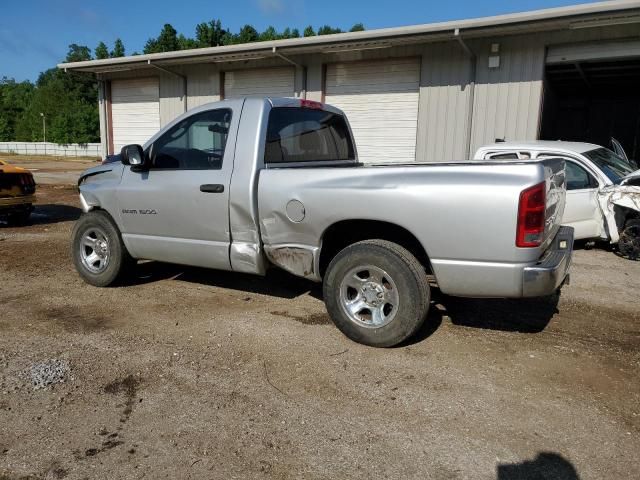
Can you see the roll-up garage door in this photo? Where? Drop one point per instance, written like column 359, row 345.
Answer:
column 260, row 82
column 135, row 111
column 380, row 99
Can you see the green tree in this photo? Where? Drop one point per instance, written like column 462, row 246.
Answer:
column 78, row 53
column 247, row 34
column 327, row 30
column 309, row 31
column 15, row 98
column 118, row 49
column 185, row 43
column 295, row 33
column 358, row 27
column 269, row 34
column 210, row 34
column 101, row 51
column 67, row 99
column 167, row 41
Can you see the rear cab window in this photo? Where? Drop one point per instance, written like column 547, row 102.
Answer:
column 303, row 135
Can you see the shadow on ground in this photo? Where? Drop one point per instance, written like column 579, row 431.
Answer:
column 510, row 315
column 546, row 465
column 277, row 283
column 48, row 214
column 54, row 213
column 529, row 315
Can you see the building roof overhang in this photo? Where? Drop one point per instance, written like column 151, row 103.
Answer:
column 581, row 16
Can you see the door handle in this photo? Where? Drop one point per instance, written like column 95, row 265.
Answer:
column 212, row 188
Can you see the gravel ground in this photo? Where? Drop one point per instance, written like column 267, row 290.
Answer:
column 188, row 373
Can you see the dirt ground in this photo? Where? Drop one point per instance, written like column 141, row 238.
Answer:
column 189, row 373
column 51, row 170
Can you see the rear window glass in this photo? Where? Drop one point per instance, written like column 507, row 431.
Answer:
column 306, row 135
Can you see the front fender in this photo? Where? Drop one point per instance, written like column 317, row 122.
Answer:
column 98, row 187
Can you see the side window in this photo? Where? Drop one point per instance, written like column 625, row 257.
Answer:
column 307, row 135
column 503, row 156
column 578, row 178
column 196, row 143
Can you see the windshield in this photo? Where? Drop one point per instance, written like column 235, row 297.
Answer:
column 611, row 164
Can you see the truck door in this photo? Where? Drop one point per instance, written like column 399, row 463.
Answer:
column 178, row 210
column 581, row 210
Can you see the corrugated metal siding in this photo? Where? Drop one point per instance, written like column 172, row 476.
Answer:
column 315, row 81
column 262, row 82
column 203, row 85
column 508, row 99
column 134, row 110
column 444, row 103
column 380, row 99
column 171, row 98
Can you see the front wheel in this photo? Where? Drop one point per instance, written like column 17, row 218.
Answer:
column 98, row 252
column 629, row 242
column 376, row 292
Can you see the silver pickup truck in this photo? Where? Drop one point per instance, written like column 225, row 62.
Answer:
column 250, row 183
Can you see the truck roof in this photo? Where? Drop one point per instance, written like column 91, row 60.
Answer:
column 556, row 145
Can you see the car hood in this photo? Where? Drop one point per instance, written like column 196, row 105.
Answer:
column 631, row 179
column 6, row 168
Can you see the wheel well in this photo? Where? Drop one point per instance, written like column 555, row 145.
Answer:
column 623, row 214
column 342, row 234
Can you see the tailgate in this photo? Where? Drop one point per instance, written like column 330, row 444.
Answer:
column 556, row 190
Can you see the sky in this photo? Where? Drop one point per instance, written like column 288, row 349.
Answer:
column 35, row 34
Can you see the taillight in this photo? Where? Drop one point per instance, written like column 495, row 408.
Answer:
column 531, row 216
column 311, row 104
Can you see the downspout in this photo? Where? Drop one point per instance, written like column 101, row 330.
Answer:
column 171, row 72
column 102, row 114
column 303, row 68
column 472, row 89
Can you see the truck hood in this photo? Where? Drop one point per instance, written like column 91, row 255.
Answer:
column 97, row 170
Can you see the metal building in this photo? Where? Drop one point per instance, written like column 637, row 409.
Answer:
column 431, row 92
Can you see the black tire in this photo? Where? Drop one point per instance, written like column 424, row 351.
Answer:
column 405, row 273
column 118, row 260
column 629, row 243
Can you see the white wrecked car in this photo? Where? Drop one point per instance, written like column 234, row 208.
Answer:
column 603, row 189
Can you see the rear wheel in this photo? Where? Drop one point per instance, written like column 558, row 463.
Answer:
column 98, row 252
column 629, row 242
column 376, row 293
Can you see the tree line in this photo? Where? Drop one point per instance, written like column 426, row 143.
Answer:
column 68, row 100
column 212, row 34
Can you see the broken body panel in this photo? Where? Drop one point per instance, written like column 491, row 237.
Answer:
column 614, row 199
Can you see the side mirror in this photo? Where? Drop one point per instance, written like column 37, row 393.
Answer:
column 133, row 155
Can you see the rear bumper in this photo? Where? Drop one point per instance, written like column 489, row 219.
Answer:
column 17, row 203
column 552, row 270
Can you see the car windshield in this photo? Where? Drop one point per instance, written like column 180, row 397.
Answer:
column 611, row 164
